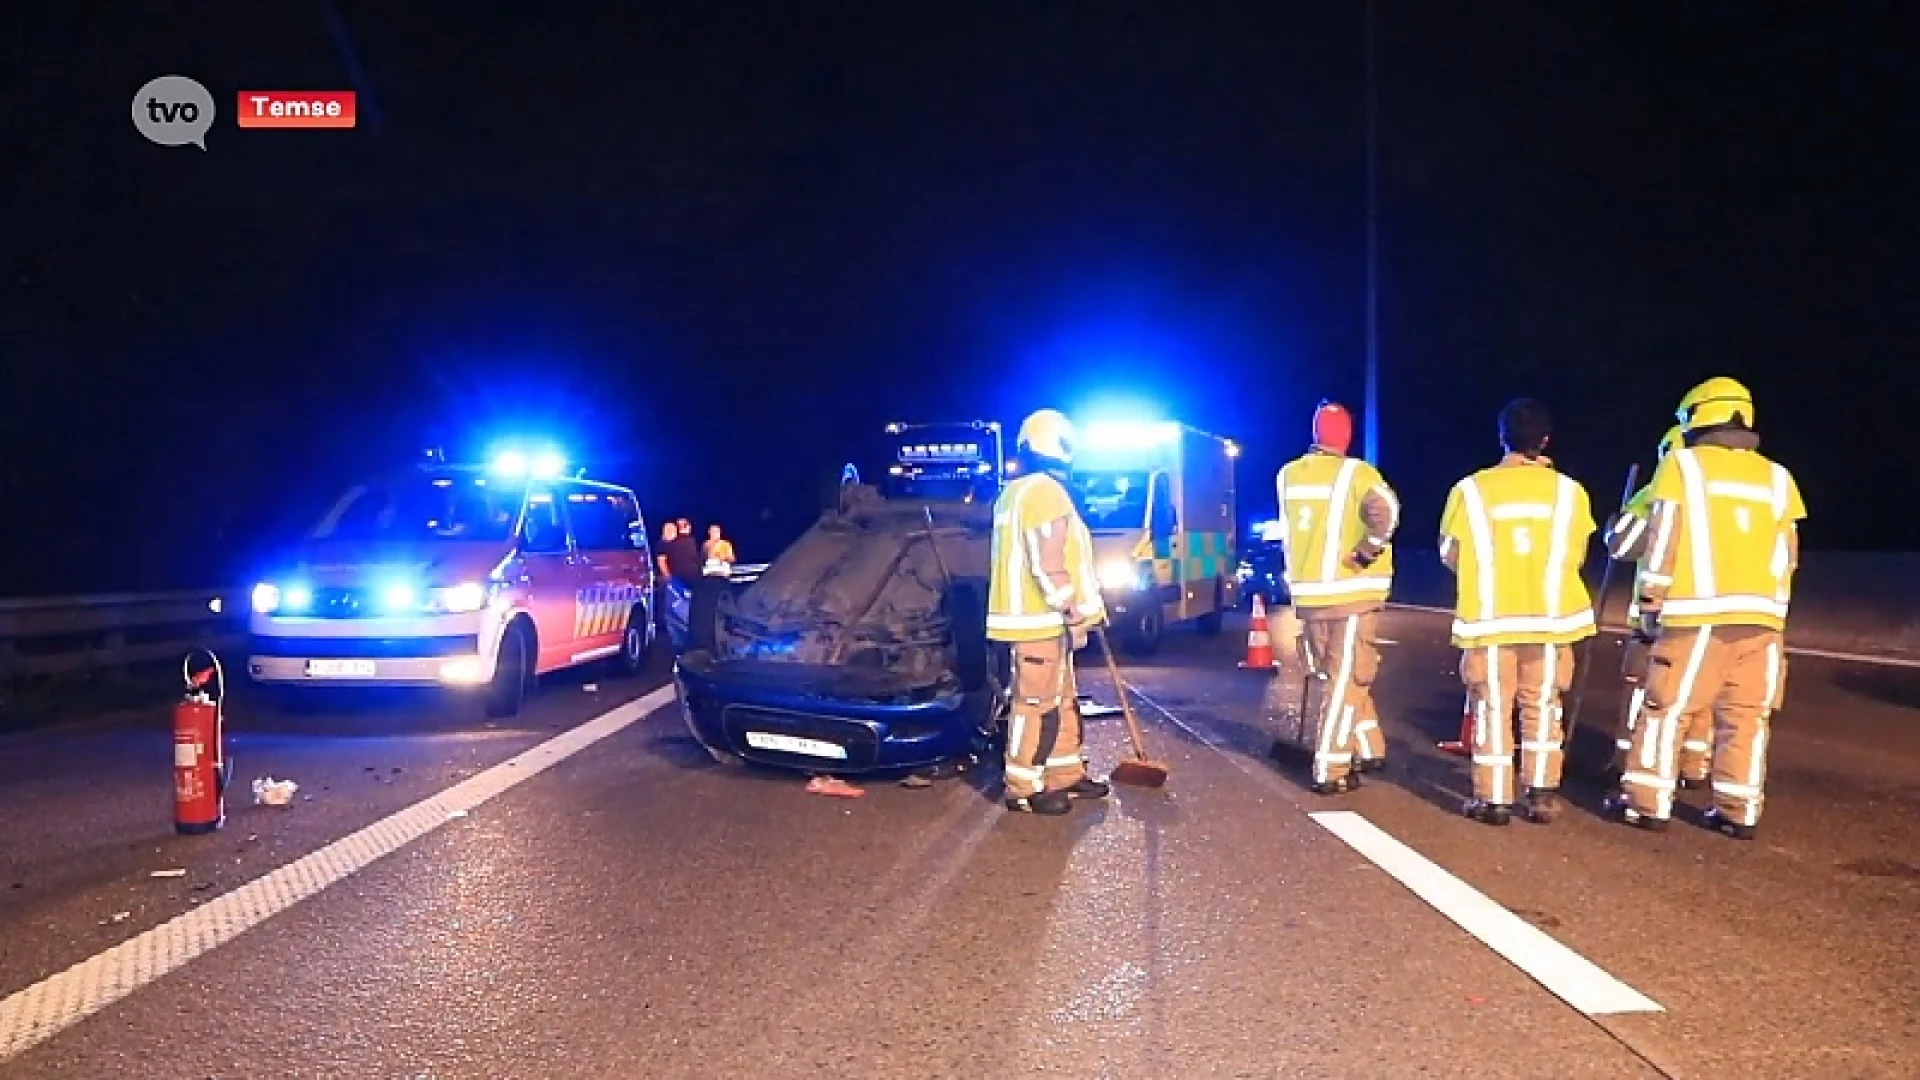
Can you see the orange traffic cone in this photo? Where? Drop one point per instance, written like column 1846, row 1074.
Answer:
column 1459, row 746
column 1259, row 642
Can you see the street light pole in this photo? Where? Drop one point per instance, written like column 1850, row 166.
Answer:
column 1372, row 428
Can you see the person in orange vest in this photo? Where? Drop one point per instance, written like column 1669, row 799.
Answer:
column 1713, row 597
column 1516, row 535
column 1625, row 536
column 1338, row 518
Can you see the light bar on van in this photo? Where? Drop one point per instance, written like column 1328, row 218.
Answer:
column 1129, row 436
column 516, row 465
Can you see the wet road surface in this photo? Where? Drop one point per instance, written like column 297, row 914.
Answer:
column 637, row 911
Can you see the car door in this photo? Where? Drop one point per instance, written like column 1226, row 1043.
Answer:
column 612, row 572
column 553, row 592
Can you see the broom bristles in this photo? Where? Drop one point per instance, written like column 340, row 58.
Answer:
column 1135, row 772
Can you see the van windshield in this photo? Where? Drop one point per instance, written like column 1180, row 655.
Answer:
column 1112, row 500
column 426, row 507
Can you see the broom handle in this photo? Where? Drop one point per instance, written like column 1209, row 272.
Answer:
column 1120, row 691
column 1584, row 667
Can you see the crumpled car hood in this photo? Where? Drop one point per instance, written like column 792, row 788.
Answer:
column 873, row 601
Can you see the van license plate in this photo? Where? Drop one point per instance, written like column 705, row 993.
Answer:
column 340, row 669
column 787, row 744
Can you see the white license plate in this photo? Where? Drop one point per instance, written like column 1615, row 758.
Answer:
column 787, row 744
column 340, row 669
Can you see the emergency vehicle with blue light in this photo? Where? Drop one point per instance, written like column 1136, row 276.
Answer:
column 474, row 577
column 1159, row 499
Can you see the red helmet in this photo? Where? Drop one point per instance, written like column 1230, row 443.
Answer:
column 1332, row 427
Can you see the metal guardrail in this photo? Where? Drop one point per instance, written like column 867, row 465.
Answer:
column 59, row 635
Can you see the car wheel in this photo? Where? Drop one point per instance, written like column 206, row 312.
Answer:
column 1209, row 625
column 511, row 674
column 636, row 645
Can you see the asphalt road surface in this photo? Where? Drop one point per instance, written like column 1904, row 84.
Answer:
column 582, row 893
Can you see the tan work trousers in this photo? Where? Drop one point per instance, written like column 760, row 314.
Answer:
column 1696, row 727
column 1043, row 735
column 1738, row 674
column 1343, row 655
column 1498, row 678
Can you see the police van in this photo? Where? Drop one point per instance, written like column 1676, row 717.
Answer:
column 480, row 578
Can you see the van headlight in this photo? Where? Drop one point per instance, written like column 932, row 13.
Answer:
column 461, row 599
column 1119, row 574
column 266, row 598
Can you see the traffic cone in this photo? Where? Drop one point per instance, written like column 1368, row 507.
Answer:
column 1459, row 746
column 1259, row 642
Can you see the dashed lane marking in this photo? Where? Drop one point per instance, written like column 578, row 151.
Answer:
column 1569, row 976
column 57, row 1002
column 1876, row 659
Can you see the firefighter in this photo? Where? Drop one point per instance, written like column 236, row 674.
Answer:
column 1043, row 598
column 1625, row 537
column 1713, row 598
column 1338, row 518
column 1516, row 535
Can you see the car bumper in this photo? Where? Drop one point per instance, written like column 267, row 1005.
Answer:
column 454, row 660
column 805, row 731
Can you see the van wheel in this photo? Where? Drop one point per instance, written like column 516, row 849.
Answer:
column 636, row 645
column 511, row 674
column 1143, row 637
column 1208, row 625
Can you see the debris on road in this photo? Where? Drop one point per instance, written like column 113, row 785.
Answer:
column 833, row 787
column 270, row 792
column 168, row 873
column 116, row 917
column 453, row 815
column 917, row 780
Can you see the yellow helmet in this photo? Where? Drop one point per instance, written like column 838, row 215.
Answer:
column 1674, row 439
column 1717, row 401
column 1047, row 433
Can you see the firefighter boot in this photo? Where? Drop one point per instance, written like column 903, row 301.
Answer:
column 1339, row 785
column 1487, row 813
column 1049, row 803
column 1543, row 805
column 1618, row 808
column 1088, row 788
column 1372, row 764
column 1718, row 820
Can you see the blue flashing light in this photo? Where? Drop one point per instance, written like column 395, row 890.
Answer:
column 1129, row 435
column 295, row 599
column 399, row 596
column 516, row 464
column 511, row 464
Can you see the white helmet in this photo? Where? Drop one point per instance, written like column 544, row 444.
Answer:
column 1049, row 434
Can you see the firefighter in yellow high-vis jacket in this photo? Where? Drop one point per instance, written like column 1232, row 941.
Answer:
column 1337, row 519
column 1626, row 538
column 1516, row 535
column 1713, row 596
column 1042, row 599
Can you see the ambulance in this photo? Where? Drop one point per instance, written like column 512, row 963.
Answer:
column 1159, row 499
column 479, row 578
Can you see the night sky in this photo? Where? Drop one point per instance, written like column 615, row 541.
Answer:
column 710, row 251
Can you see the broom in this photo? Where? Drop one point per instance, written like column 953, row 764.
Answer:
column 1138, row 770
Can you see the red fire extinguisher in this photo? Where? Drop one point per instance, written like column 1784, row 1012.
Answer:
column 200, row 765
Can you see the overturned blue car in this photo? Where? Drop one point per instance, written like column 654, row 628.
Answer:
column 861, row 649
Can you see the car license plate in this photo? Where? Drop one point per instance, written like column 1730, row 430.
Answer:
column 340, row 669
column 787, row 744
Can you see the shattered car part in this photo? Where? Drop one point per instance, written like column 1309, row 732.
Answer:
column 861, row 648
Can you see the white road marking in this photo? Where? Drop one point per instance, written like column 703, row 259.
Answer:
column 57, row 1002
column 1877, row 659
column 1569, row 976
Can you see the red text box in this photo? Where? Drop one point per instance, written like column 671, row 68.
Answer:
column 297, row 109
